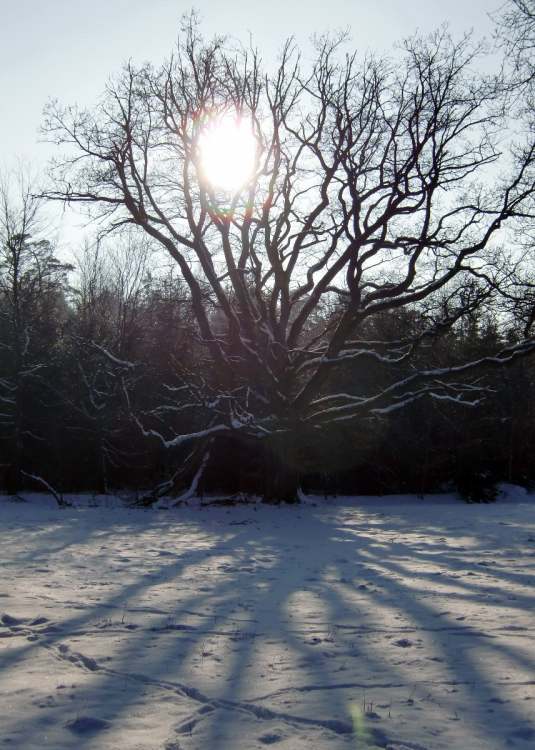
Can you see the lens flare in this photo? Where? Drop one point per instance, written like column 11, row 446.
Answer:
column 227, row 149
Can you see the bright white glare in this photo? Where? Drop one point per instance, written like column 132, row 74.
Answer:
column 227, row 152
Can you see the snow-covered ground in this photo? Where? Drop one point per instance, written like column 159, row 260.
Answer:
column 387, row 622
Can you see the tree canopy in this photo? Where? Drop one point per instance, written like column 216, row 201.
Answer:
column 377, row 186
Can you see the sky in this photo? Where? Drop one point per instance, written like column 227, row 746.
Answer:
column 67, row 49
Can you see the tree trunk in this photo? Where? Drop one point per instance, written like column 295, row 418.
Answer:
column 14, row 475
column 281, row 480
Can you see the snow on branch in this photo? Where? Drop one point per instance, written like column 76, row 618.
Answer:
column 112, row 358
column 58, row 496
column 181, row 439
column 346, row 406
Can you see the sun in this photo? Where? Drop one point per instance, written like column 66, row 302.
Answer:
column 227, row 149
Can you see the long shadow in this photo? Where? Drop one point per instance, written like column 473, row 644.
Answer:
column 77, row 625
column 420, row 612
column 340, row 548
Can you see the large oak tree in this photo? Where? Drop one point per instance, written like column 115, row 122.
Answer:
column 378, row 185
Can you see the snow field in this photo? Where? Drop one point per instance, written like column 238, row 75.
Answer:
column 359, row 623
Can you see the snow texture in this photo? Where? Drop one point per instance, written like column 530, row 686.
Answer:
column 394, row 622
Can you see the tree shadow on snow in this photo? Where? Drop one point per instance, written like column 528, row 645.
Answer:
column 302, row 619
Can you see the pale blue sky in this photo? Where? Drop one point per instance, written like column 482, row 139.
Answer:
column 67, row 48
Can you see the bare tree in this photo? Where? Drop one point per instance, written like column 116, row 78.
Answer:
column 108, row 304
column 32, row 280
column 516, row 33
column 377, row 185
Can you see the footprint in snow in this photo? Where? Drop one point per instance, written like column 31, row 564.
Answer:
column 87, row 725
column 270, row 738
column 10, row 621
column 39, row 621
column 373, row 715
column 403, row 643
column 187, row 727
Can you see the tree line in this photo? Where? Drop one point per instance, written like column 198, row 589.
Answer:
column 102, row 356
column 355, row 315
